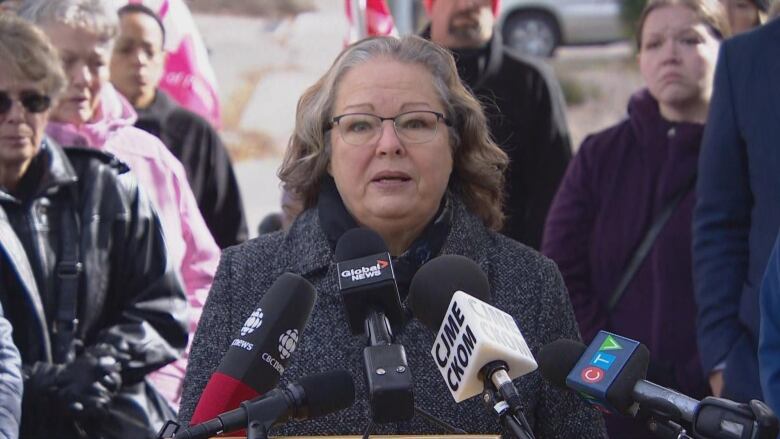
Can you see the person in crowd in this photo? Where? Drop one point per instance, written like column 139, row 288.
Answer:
column 524, row 105
column 774, row 10
column 737, row 213
column 137, row 65
column 636, row 177
column 769, row 340
column 745, row 15
column 93, row 114
column 86, row 282
column 11, row 383
column 390, row 139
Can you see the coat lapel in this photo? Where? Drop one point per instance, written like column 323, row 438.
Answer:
column 17, row 257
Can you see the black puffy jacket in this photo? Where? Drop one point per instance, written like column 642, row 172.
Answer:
column 127, row 295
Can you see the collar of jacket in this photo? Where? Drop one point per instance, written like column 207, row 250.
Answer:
column 651, row 127
column 159, row 110
column 468, row 237
column 476, row 65
column 59, row 172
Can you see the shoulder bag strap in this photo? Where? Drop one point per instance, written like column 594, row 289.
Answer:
column 68, row 272
column 647, row 243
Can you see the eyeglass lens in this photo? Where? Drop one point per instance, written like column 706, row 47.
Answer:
column 413, row 127
column 32, row 101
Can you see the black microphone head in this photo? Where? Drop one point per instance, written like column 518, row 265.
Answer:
column 358, row 243
column 436, row 281
column 262, row 349
column 558, row 358
column 328, row 392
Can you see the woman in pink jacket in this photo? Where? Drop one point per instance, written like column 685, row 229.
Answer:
column 92, row 114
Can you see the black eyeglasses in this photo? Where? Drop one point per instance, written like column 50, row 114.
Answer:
column 365, row 128
column 32, row 101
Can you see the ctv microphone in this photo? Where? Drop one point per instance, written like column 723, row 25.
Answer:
column 256, row 358
column 314, row 396
column 476, row 344
column 370, row 296
column 609, row 374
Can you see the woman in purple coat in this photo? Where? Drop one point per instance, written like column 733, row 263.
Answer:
column 618, row 184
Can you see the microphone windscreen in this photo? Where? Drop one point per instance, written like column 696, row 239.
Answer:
column 357, row 243
column 437, row 280
column 328, row 392
column 259, row 354
column 558, row 358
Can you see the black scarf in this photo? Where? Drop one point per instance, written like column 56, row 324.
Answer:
column 335, row 220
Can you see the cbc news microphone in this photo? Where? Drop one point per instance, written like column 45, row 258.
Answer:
column 373, row 306
column 313, row 396
column 609, row 374
column 476, row 344
column 259, row 354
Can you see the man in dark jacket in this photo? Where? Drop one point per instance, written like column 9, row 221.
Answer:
column 738, row 213
column 136, row 70
column 524, row 105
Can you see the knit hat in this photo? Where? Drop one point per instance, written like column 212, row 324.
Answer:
column 496, row 6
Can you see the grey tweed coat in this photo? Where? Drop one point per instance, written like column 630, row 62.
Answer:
column 524, row 284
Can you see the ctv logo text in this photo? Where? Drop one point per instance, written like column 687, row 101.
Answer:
column 601, row 361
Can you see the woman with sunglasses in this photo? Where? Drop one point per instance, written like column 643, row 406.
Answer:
column 84, row 275
column 93, row 114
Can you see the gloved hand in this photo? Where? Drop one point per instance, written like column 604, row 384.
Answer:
column 84, row 386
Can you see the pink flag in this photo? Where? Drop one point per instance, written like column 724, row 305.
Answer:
column 378, row 19
column 189, row 77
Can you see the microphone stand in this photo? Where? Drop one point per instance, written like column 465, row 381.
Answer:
column 389, row 380
column 501, row 394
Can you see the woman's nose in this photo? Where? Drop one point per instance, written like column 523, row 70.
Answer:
column 388, row 142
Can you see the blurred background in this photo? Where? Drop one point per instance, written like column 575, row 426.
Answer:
column 266, row 52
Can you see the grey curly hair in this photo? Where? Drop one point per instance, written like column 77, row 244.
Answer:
column 478, row 163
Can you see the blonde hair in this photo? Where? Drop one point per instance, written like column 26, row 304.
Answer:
column 710, row 12
column 27, row 54
column 478, row 163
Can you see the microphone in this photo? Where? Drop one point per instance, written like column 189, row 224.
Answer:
column 470, row 333
column 313, row 396
column 373, row 307
column 609, row 374
column 257, row 358
column 476, row 344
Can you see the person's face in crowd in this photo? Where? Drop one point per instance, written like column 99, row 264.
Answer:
column 138, row 60
column 677, row 62
column 85, row 61
column 386, row 180
column 461, row 23
column 24, row 112
column 743, row 15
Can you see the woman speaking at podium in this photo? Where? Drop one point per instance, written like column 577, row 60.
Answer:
column 389, row 139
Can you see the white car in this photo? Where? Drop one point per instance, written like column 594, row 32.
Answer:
column 538, row 27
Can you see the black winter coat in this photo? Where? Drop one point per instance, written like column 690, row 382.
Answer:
column 198, row 147
column 523, row 283
column 128, row 294
column 527, row 118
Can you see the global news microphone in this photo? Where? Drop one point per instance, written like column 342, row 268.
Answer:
column 390, row 140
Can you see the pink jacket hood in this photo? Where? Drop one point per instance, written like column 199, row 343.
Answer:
column 114, row 113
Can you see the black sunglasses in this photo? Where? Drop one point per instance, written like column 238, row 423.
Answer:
column 32, row 101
